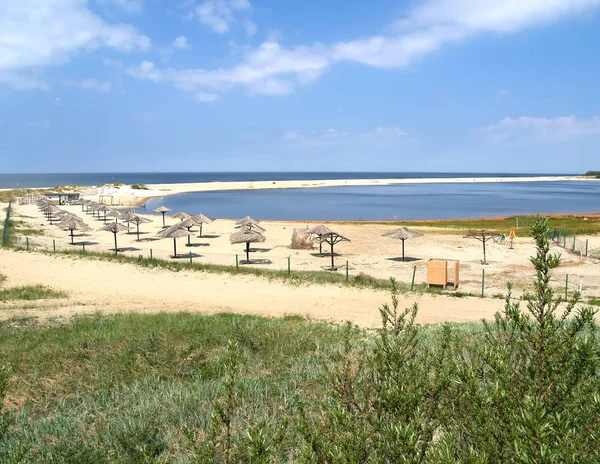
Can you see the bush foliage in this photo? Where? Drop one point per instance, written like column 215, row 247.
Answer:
column 521, row 388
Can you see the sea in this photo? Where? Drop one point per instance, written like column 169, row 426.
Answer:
column 393, row 202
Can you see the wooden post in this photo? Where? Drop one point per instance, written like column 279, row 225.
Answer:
column 53, row 245
column 83, row 247
column 412, row 285
column 237, row 263
column 483, row 283
column 289, row 266
column 27, row 243
column 190, row 256
column 574, row 242
column 346, row 271
column 150, row 253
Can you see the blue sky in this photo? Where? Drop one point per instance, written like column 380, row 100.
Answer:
column 258, row 85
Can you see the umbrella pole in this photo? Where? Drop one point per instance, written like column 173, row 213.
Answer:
column 248, row 252
column 163, row 219
column 138, row 232
column 71, row 236
column 200, row 235
column 402, row 250
column 320, row 246
column 332, row 264
column 174, row 247
column 116, row 249
column 189, row 241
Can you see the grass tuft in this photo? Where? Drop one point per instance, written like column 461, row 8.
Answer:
column 30, row 292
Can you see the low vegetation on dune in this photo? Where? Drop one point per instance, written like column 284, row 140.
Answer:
column 161, row 388
column 595, row 174
column 27, row 292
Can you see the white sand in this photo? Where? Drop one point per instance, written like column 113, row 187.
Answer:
column 117, row 287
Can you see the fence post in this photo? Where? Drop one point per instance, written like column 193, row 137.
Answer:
column 237, row 263
column 150, row 253
column 289, row 266
column 587, row 245
column 27, row 243
column 567, row 287
column 346, row 271
column 412, row 285
column 83, row 248
column 190, row 257
column 54, row 245
column 482, row 283
column 574, row 242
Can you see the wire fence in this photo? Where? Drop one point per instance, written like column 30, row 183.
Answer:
column 474, row 281
column 571, row 243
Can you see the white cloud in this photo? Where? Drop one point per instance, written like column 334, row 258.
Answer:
column 275, row 70
column 35, row 34
column 58, row 101
column 560, row 128
column 181, row 42
column 331, row 135
column 251, row 28
column 206, row 97
column 90, row 84
column 503, row 94
column 383, row 131
column 129, row 6
column 219, row 14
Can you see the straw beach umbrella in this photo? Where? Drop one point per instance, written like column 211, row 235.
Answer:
column 174, row 232
column 114, row 213
column 79, row 201
column 318, row 232
column 181, row 215
column 403, row 233
column 333, row 238
column 137, row 220
column 247, row 236
column 163, row 210
column 103, row 209
column 72, row 224
column 188, row 224
column 202, row 219
column 245, row 221
column 115, row 228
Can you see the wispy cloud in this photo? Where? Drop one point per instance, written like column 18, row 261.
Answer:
column 218, row 15
column 181, row 43
column 331, row 135
column 545, row 129
column 129, row 6
column 35, row 34
column 94, row 85
column 503, row 94
column 273, row 69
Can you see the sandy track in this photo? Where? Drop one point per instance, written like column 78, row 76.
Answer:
column 113, row 287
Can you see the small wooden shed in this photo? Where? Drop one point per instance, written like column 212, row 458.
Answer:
column 441, row 274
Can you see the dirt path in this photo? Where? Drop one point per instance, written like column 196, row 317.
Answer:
column 112, row 287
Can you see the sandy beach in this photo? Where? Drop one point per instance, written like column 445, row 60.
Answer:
column 119, row 287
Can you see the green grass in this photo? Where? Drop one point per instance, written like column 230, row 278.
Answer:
column 575, row 225
column 30, row 292
column 102, row 385
column 594, row 301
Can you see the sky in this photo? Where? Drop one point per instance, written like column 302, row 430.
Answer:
column 265, row 85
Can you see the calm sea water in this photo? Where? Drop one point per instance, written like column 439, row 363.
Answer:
column 418, row 201
column 51, row 180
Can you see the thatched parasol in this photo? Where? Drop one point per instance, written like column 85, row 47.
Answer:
column 318, row 232
column 114, row 213
column 188, row 224
column 163, row 210
column 181, row 215
column 72, row 224
column 333, row 238
column 202, row 219
column 137, row 220
column 251, row 226
column 115, row 228
column 80, row 201
column 245, row 221
column 403, row 233
column 174, row 232
column 483, row 236
column 102, row 209
column 247, row 236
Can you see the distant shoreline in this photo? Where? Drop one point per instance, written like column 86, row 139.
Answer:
column 159, row 190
